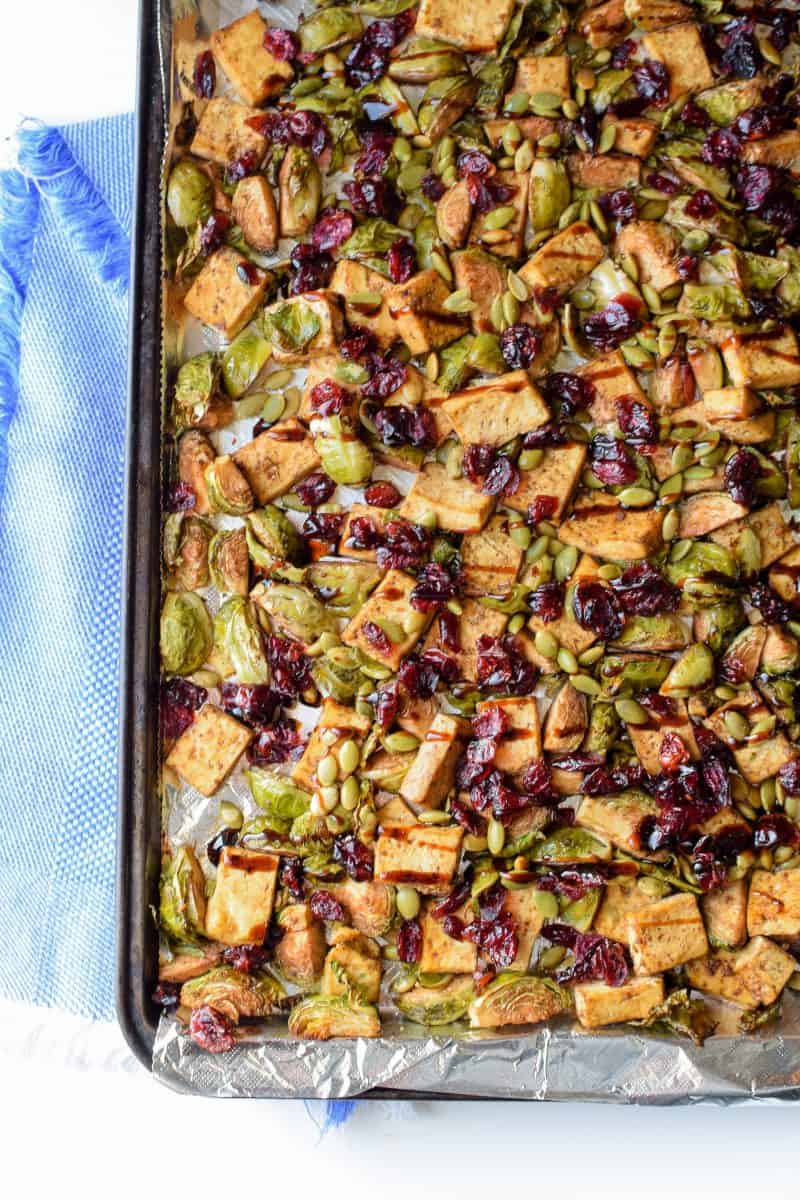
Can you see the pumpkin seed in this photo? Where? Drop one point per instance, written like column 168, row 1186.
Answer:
column 517, row 287
column 653, row 210
column 591, row 655
column 551, row 141
column 474, row 845
column 698, row 472
column 432, row 366
column 496, row 313
column 551, row 957
column 763, row 725
column 511, row 137
column 537, row 550
column 546, row 644
column 495, row 836
column 586, row 684
column 598, row 217
column 499, row 217
column 365, row 299
column 570, row 109
column 631, row 712
column 530, row 459
column 585, row 78
column 408, row 902
column 636, row 357
column 349, row 757
column 569, row 215
column 516, row 623
column 607, row 139
column 459, row 302
column 350, row 372
column 671, row 488
column 350, row 794
column 327, row 770
column 565, row 563
column 667, row 341
column 231, row 815
column 671, row 525
column 411, row 176
column 520, row 534
column 736, row 724
column 651, row 887
column 393, row 630
column 651, row 297
column 545, row 104
column 434, row 817
column 523, row 158
column 329, row 798
column 454, row 606
column 696, row 240
column 400, row 742
column 510, row 308
column 680, row 550
column 442, row 266
column 636, row 497
column 766, row 794
column 748, row 551
column 546, row 904
column 449, row 175
column 609, row 571
column 791, row 806
column 567, row 661
column 630, row 267
column 505, row 162
column 517, row 103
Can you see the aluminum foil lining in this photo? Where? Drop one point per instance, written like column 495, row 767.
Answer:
column 560, row 1061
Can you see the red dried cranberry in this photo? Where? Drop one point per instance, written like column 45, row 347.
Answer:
column 326, row 907
column 254, row 703
column 448, row 905
column 784, row 24
column 403, row 545
column 401, row 426
column 315, row 489
column 773, row 830
column 769, row 603
column 611, row 462
column 205, row 75
column 537, row 780
column 596, row 608
column 477, row 461
column 402, row 260
column 622, row 54
column 761, row 121
column 495, row 930
column 246, row 958
column 167, row 995
column 672, row 752
column 619, row 204
column 377, row 142
column 180, row 700
column 226, row 837
column 328, row 398
column 246, row 164
column 248, row 273
column 181, row 497
column 636, row 419
column 467, row 818
column 387, row 705
column 596, row 957
column 701, row 205
column 453, row 926
column 357, row 343
column 354, row 856
column 492, row 722
column 211, row 1030
column 283, row 741
column 369, row 58
column 435, row 585
column 377, row 638
column 299, row 128
column 502, row 667
column 755, row 182
column 619, row 320
column 373, row 198
column 474, row 162
column 421, row 674
column 503, row 478
column 324, row 526
column 485, row 193
column 541, row 508
column 789, row 776
column 720, row 148
column 688, row 267
column 282, row 44
column 663, row 183
column 610, row 781
column 567, row 391
column 651, row 80
column 290, row 666
column 519, row 345
column 382, row 495
column 742, row 473
column 311, row 269
column 332, row 228
column 212, row 232
column 741, row 56
column 386, row 375
column 409, row 941
column 363, row 534
column 432, row 187
column 693, row 114
column 547, row 601
column 641, row 590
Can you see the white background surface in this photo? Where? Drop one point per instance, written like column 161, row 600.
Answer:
column 78, row 1112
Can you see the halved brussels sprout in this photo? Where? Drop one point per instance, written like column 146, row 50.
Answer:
column 300, row 184
column 182, row 907
column 603, row 728
column 229, row 562
column 243, row 361
column 292, row 326
column 344, row 456
column 337, row 673
column 186, row 551
column 281, row 801
column 329, row 27
column 455, row 363
column 398, row 110
column 571, row 844
column 424, row 60
column 234, row 993
column 693, row 670
column 715, row 626
column 343, row 586
column 190, row 194
column 518, row 1000
column 439, row 1005
column 443, row 102
column 494, row 80
column 530, row 23
column 370, row 905
column 199, row 404
column 238, row 640
column 228, row 490
column 273, row 539
column 373, row 238
column 623, row 672
column 682, row 1014
column 323, row 1017
column 663, row 631
column 186, row 633
column 550, row 192
column 485, row 355
column 296, row 609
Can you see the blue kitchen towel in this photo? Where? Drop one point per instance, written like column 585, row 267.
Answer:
column 65, row 219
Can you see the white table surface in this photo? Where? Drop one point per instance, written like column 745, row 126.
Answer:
column 78, row 1110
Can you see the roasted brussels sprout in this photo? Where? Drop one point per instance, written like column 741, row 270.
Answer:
column 603, row 728
column 273, row 539
column 343, row 586
column 344, row 457
column 182, row 908
column 443, row 102
column 424, row 60
column 296, row 609
column 571, row 844
column 494, row 80
column 300, row 954
column 323, row 1017
column 186, row 633
column 337, row 673
column 437, row 1006
column 280, row 800
column 243, row 361
column 229, row 562
column 234, row 993
column 300, row 185
column 199, row 403
column 513, row 999
column 227, row 489
column 625, row 673
column 291, row 327
column 684, row 1015
column 186, row 551
column 369, row 904
column 327, row 28
column 549, row 194
column 238, row 641
column 190, row 194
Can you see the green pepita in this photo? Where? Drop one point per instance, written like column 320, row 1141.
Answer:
column 631, row 712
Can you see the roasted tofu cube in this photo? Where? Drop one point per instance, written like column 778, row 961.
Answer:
column 490, row 560
column 609, row 172
column 195, row 454
column 364, row 293
column 731, row 404
column 654, row 250
column 304, row 325
column 395, row 812
column 387, row 612
column 597, row 1004
column 543, row 73
column 657, row 14
column 602, row 527
column 442, row 954
column 666, row 934
column 474, row 622
column 603, row 24
column 780, row 150
column 617, row 818
column 557, row 475
column 508, row 241
column 672, row 386
column 680, row 48
column 206, row 753
column 425, row 856
column 751, row 977
column 773, row 904
column 563, row 260
column 223, row 297
column 522, row 741
column 565, row 629
column 223, row 134
column 770, row 527
column 756, row 429
column 239, row 49
column 620, row 898
column 784, row 575
column 521, row 904
column 337, row 723
column 416, row 308
column 635, row 135
column 277, row 459
column 431, row 775
column 611, row 378
column 706, row 512
column 484, row 278
column 763, row 360
column 478, row 30
column 758, row 758
column 240, row 909
column 566, row 721
column 495, row 412
column 724, row 912
column 255, row 211
column 300, row 953
column 647, row 741
column 457, row 505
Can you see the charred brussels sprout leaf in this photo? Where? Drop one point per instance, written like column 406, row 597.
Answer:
column 550, row 192
column 437, row 1006
column 197, row 391
column 229, row 562
column 297, row 609
column 323, row 1017
column 242, row 362
column 276, row 537
column 494, row 80
column 186, row 551
column 571, row 845
column 182, row 906
column 518, row 1000
column 300, row 185
column 338, row 674
column 424, row 60
column 190, row 194
column 750, row 1021
column 186, row 633
column 682, row 1015
column 228, row 490
column 454, row 363
column 344, row 456
column 603, row 728
column 329, row 27
column 343, row 586
column 539, row 26
column 234, row 993
column 444, row 101
column 238, row 641
column 281, row 801
column 374, row 238
column 292, row 326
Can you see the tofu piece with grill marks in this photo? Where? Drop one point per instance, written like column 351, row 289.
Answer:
column 606, row 171
column 277, row 459
column 474, row 622
column 240, row 909
column 388, row 605
column 611, row 378
column 621, row 897
column 522, row 742
column 763, row 360
column 680, row 49
column 349, row 278
column 751, row 977
column 494, row 412
column 598, row 1005
column 457, row 505
column 490, row 560
column 770, row 527
column 476, row 28
column 224, row 298
column 563, row 260
column 773, row 903
column 666, row 934
column 602, row 527
column 421, row 321
column 255, row 73
column 223, row 134
column 617, row 818
column 206, row 752
column 424, row 856
column 432, row 773
column 441, row 953
column 557, row 475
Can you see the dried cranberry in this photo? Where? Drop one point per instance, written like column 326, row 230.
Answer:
column 289, row 665
column 611, row 462
column 492, row 722
column 409, row 941
column 537, row 780
column 742, row 473
column 467, row 818
column 432, row 187
column 519, row 345
column 226, row 837
column 315, row 489
column 619, row 320
column 547, row 601
column 377, row 142
column 246, row 958
column 332, row 228
column 421, row 674
column 291, row 876
column 377, row 638
column 622, row 53
column 693, row 114
column 363, row 534
column 651, row 80
column 239, row 168
column 474, row 162
column 773, row 830
column 354, row 856
column 720, row 148
column 326, row 907
column 369, row 58
column 784, row 24
column 741, row 56
column 254, row 703
column 485, row 193
column 567, row 391
column 636, row 419
column 402, row 260
column 212, row 232
column 596, row 608
column 435, row 585
column 619, row 204
column 282, row 741
column 573, row 882
column 205, row 75
column 211, row 1030
column 688, row 266
column 763, row 307
column 449, row 630
column 701, row 205
column 610, row 781
column 587, row 127
column 596, row 957
column 448, row 905
column 789, row 776
column 642, row 590
column 167, row 995
column 761, row 121
column 672, row 752
column 477, row 461
column 311, row 269
column 453, row 926
column 503, row 667
column 503, row 478
column 387, row 705
column 373, row 198
column 401, row 426
column 327, row 398
column 386, row 376
column 248, row 273
column 180, row 699
column 402, row 545
column 541, row 508
column 771, row 606
column 324, row 527
column 182, row 497
column 663, row 183
column 357, row 343
column 382, row 495
column 497, row 938
column 755, row 182
column 282, row 44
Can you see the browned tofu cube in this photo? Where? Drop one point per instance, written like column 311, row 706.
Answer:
column 603, row 24
column 277, row 459
column 223, row 134
column 388, row 611
column 239, row 49
column 474, row 622
column 522, row 742
column 773, row 904
column 490, row 560
column 300, row 953
column 422, row 322
column 565, row 629
column 431, row 775
column 672, row 386
column 752, row 431
column 724, row 912
column 521, row 904
column 240, row 909
column 647, row 741
column 635, row 135
column 557, row 475
column 620, row 898
column 770, row 527
column 751, row 977
column 442, row 954
column 706, row 512
column 563, row 260
column 318, row 313
column 543, row 73
column 206, row 753
column 666, row 934
column 603, row 527
column 425, row 856
column 495, row 412
column 731, row 404
column 454, row 215
column 508, row 241
column 654, row 250
column 597, row 1004
column 566, row 721
column 484, row 278
column 337, row 723
column 364, row 292
column 763, row 360
column 617, row 818
column 223, row 297
column 611, row 378
column 477, row 29
column 757, row 758
column 780, row 150
column 255, row 211
column 784, row 575
column 680, row 48
column 606, row 171
column 457, row 505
